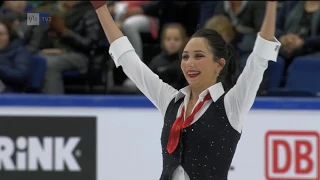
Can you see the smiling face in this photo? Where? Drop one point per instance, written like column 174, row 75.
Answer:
column 199, row 64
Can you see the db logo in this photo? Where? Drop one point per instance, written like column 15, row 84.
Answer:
column 292, row 155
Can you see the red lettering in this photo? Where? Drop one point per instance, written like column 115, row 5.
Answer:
column 303, row 156
column 276, row 145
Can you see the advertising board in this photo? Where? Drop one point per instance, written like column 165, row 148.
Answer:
column 104, row 139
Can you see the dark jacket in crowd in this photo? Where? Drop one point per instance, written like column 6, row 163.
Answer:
column 292, row 18
column 167, row 67
column 14, row 17
column 184, row 12
column 249, row 20
column 11, row 16
column 34, row 38
column 206, row 10
column 37, row 38
column 86, row 33
column 15, row 66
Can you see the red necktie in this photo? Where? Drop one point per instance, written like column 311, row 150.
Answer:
column 180, row 124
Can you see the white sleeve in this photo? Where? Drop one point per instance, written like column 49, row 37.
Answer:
column 239, row 100
column 158, row 92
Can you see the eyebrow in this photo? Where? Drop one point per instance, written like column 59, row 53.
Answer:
column 194, row 51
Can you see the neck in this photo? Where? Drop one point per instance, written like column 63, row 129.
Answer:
column 196, row 91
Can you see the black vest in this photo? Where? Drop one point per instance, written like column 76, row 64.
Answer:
column 206, row 147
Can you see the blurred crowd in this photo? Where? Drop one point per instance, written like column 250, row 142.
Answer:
column 67, row 52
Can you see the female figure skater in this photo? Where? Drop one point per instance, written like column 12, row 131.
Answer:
column 203, row 121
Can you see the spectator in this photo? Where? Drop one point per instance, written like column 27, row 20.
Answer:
column 15, row 63
column 183, row 12
column 34, row 37
column 14, row 11
column 298, row 29
column 206, row 10
column 50, row 6
column 223, row 26
column 133, row 25
column 36, row 4
column 76, row 36
column 246, row 17
column 37, row 38
column 15, row 7
column 167, row 63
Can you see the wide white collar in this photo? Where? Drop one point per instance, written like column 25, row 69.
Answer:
column 216, row 91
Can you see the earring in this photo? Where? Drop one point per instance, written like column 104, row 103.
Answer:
column 218, row 74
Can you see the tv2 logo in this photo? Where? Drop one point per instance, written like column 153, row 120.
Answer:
column 292, row 155
column 34, row 19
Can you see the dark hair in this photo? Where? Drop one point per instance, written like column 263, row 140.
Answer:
column 11, row 30
column 229, row 74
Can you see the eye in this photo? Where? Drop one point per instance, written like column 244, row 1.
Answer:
column 185, row 57
column 199, row 56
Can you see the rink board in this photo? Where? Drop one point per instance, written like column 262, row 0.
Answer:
column 118, row 138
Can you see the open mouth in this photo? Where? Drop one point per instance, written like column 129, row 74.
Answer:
column 193, row 74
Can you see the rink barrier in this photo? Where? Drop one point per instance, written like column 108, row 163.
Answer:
column 139, row 101
column 118, row 138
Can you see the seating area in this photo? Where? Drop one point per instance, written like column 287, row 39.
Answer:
column 39, row 65
column 297, row 77
column 301, row 78
column 93, row 81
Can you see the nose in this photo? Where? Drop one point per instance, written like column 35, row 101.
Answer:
column 190, row 62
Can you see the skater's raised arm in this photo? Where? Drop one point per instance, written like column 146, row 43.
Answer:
column 123, row 54
column 240, row 98
column 109, row 26
column 268, row 27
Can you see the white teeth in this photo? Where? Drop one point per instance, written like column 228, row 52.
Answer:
column 193, row 73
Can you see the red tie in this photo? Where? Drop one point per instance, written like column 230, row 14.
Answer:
column 180, row 124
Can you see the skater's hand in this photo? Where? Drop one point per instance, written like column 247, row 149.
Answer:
column 97, row 4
